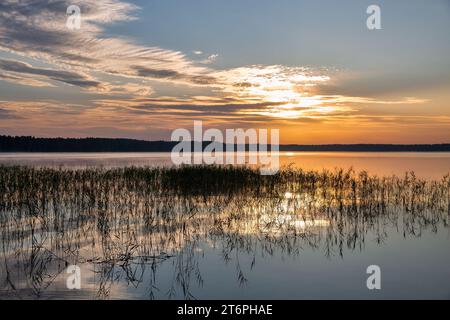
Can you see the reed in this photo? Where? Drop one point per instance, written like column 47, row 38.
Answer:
column 124, row 221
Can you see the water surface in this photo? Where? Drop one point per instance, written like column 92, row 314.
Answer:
column 426, row 165
column 199, row 234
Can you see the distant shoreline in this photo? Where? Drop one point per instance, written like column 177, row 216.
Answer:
column 9, row 144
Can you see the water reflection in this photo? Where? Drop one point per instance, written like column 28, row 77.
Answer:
column 140, row 227
column 430, row 165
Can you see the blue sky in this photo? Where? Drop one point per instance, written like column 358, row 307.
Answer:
column 293, row 32
column 144, row 68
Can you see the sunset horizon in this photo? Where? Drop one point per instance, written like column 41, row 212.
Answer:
column 444, row 142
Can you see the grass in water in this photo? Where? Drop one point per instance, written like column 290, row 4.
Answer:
column 128, row 218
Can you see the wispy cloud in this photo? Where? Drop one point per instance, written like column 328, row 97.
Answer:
column 8, row 114
column 16, row 69
column 210, row 59
column 37, row 29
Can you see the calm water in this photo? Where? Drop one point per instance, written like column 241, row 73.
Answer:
column 296, row 243
column 426, row 165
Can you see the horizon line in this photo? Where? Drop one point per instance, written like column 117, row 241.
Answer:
column 206, row 141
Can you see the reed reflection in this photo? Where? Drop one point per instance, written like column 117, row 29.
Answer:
column 123, row 226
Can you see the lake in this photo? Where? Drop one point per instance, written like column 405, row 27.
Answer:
column 224, row 234
column 426, row 165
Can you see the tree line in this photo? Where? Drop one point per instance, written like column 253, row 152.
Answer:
column 34, row 144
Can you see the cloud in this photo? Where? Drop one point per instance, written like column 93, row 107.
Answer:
column 198, row 106
column 25, row 74
column 275, row 81
column 210, row 59
column 23, row 80
column 146, row 119
column 7, row 114
column 37, row 29
column 134, row 89
column 16, row 68
column 213, row 57
column 173, row 75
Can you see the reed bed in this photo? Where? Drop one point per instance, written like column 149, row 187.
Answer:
column 122, row 220
column 50, row 193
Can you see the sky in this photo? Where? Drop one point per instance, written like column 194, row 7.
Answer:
column 310, row 68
